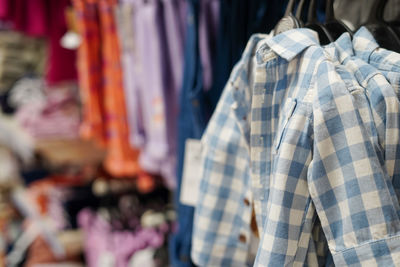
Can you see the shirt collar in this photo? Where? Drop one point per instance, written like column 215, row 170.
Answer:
column 291, row 43
column 364, row 44
column 342, row 52
column 341, row 49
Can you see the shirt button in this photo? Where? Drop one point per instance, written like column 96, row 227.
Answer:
column 246, row 202
column 184, row 258
column 242, row 238
column 190, row 19
column 195, row 103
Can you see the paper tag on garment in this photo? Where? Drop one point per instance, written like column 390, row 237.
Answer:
column 253, row 248
column 143, row 258
column 192, row 172
column 106, row 259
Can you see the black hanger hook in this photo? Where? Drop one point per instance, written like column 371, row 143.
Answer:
column 377, row 10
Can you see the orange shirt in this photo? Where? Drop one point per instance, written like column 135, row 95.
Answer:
column 100, row 75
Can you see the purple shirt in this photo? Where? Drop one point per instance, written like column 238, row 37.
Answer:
column 100, row 239
column 152, row 37
column 208, row 26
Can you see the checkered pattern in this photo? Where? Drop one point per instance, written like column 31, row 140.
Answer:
column 324, row 156
column 320, row 245
column 386, row 61
column 222, row 231
column 341, row 52
column 282, row 83
column 276, row 78
column 287, row 230
column 385, row 108
column 351, row 191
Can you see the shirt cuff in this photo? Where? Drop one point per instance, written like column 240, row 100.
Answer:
column 383, row 252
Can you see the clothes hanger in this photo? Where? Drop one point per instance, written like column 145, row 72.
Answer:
column 394, row 25
column 313, row 24
column 383, row 34
column 289, row 21
column 299, row 12
column 334, row 26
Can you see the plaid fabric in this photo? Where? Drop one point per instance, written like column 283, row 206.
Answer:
column 271, row 87
column 221, row 234
column 388, row 63
column 322, row 155
column 384, row 104
column 361, row 102
column 281, row 79
column 101, row 83
column 121, row 158
column 366, row 48
column 89, row 70
column 352, row 193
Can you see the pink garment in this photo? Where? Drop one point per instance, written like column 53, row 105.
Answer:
column 100, row 239
column 153, row 69
column 57, row 117
column 19, row 15
column 5, row 9
column 36, row 17
column 44, row 18
column 61, row 64
column 28, row 16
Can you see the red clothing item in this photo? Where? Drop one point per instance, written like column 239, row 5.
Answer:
column 44, row 18
column 6, row 9
column 100, row 78
column 61, row 65
column 36, row 17
column 90, row 72
column 122, row 160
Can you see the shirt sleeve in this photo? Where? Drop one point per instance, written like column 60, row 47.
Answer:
column 290, row 213
column 352, row 193
column 221, row 234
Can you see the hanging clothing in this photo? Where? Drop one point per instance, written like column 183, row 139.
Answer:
column 101, row 83
column 44, row 18
column 221, row 233
column 21, row 55
column 238, row 20
column 194, row 114
column 103, row 243
column 61, row 64
column 121, row 158
column 152, row 82
column 222, row 163
column 322, row 126
column 90, row 71
column 334, row 118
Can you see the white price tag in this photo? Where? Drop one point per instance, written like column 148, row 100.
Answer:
column 192, row 172
column 106, row 259
column 143, row 258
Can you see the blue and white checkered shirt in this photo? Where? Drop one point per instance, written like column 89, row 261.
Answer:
column 322, row 163
column 351, row 190
column 388, row 63
column 282, row 80
column 383, row 101
column 222, row 222
column 222, row 233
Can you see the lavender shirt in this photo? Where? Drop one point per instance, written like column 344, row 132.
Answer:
column 208, row 26
column 100, row 239
column 152, row 60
